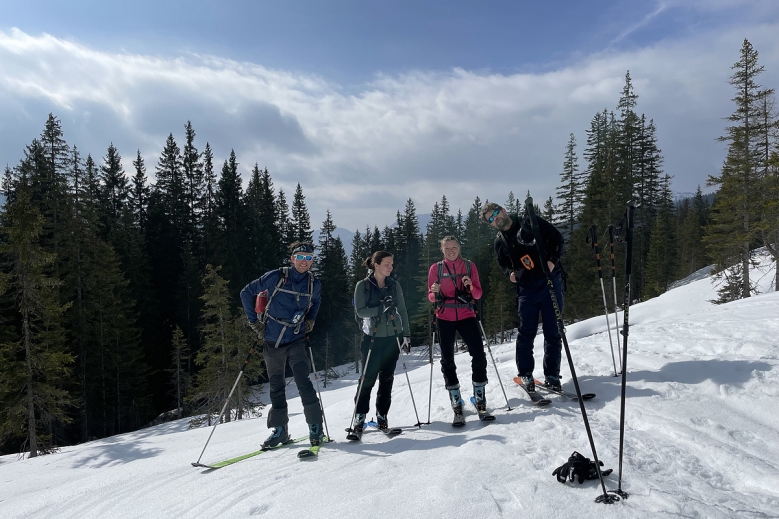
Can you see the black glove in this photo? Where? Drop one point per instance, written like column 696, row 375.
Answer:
column 388, row 305
column 259, row 328
column 309, row 325
column 578, row 468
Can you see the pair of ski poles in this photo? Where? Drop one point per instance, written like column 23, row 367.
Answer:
column 592, row 238
column 235, row 384
column 365, row 368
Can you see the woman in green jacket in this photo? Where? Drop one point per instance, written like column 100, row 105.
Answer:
column 378, row 300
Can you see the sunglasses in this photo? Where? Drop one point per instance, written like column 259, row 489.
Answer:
column 301, row 257
column 495, row 213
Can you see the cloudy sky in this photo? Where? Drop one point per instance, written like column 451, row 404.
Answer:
column 366, row 104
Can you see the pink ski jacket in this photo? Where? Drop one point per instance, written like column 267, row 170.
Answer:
column 452, row 276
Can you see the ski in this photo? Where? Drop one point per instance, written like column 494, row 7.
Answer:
column 230, row 461
column 585, row 396
column 484, row 416
column 353, row 436
column 392, row 431
column 534, row 396
column 313, row 451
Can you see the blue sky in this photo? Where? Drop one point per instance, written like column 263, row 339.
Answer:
column 369, row 103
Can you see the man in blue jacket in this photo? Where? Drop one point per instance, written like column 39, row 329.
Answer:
column 293, row 299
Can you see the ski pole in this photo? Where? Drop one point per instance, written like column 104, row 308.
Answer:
column 316, row 379
column 614, row 286
column 628, row 221
column 408, row 380
column 497, row 373
column 227, row 400
column 592, row 236
column 364, row 369
column 605, row 498
column 430, row 392
column 487, row 343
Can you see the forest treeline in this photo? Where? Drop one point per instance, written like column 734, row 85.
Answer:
column 120, row 295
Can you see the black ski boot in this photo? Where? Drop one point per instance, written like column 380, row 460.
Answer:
column 279, row 436
column 529, row 382
column 381, row 422
column 357, row 429
column 553, row 383
column 457, row 405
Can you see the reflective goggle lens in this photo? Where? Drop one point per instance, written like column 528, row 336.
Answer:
column 301, row 257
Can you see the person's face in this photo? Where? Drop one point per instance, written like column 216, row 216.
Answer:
column 501, row 220
column 451, row 250
column 302, row 261
column 385, row 267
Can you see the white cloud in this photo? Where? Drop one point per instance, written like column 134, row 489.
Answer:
column 419, row 134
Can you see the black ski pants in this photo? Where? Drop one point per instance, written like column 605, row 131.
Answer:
column 534, row 298
column 471, row 335
column 276, row 362
column 381, row 365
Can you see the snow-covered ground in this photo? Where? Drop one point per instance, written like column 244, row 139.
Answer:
column 701, row 438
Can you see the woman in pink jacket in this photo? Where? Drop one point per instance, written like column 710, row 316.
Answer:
column 453, row 285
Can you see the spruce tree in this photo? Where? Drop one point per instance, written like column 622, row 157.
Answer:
column 736, row 211
column 301, row 221
column 35, row 362
column 571, row 190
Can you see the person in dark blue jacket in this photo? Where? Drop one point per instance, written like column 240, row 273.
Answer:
column 293, row 299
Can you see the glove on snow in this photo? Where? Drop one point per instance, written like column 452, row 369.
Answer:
column 578, row 468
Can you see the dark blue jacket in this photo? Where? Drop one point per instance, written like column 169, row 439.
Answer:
column 283, row 305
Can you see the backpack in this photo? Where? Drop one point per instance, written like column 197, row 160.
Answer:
column 263, row 301
column 441, row 275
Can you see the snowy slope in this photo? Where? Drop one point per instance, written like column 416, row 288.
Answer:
column 701, row 439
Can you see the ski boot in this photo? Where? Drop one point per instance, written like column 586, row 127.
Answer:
column 357, row 429
column 315, row 434
column 279, row 436
column 382, row 423
column 528, row 382
column 457, row 405
column 553, row 383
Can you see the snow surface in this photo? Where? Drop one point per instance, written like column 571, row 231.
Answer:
column 701, row 438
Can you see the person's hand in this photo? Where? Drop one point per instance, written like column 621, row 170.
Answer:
column 513, row 277
column 259, row 328
column 406, row 345
column 550, row 265
column 309, row 325
column 435, row 288
column 467, row 282
column 388, row 305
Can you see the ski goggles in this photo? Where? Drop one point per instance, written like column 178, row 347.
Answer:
column 301, row 257
column 494, row 214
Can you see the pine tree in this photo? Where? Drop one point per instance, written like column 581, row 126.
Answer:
column 181, row 380
column 301, row 221
column 231, row 213
column 572, row 189
column 661, row 263
column 225, row 345
column 332, row 321
column 35, row 363
column 736, row 211
column 138, row 196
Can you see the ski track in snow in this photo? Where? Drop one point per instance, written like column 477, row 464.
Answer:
column 701, row 438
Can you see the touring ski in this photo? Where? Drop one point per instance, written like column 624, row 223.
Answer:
column 392, row 431
column 220, row 464
column 313, row 451
column 534, row 396
column 484, row 416
column 544, row 387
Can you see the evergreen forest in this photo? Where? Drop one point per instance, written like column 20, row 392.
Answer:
column 119, row 296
